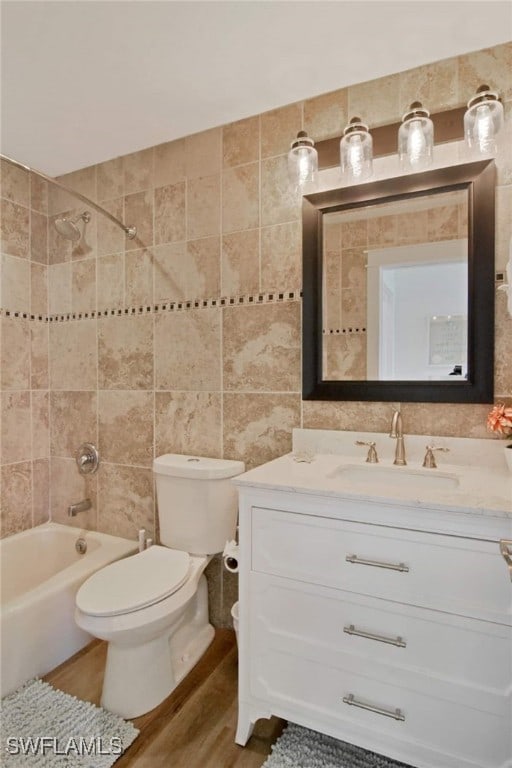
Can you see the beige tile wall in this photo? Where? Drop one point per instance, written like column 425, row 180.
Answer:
column 215, row 219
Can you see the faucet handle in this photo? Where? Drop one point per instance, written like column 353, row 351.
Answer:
column 430, row 461
column 372, row 457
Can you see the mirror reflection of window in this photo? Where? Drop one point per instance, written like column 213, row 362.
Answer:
column 389, row 269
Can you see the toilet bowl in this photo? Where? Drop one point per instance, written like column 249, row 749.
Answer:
column 152, row 607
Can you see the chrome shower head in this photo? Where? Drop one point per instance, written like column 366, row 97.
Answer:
column 68, row 227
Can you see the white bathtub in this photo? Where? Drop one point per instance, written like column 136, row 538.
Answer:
column 41, row 572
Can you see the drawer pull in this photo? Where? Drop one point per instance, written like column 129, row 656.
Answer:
column 377, row 563
column 506, row 551
column 396, row 714
column 398, row 641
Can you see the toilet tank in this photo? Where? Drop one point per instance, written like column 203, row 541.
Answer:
column 197, row 502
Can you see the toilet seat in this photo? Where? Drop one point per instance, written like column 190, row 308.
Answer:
column 134, row 583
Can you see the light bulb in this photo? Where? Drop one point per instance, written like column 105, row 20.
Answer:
column 302, row 161
column 416, row 138
column 356, row 151
column 416, row 143
column 483, row 121
column 483, row 129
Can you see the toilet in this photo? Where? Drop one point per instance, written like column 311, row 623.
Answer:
column 152, row 607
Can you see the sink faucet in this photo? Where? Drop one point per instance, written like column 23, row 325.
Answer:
column 397, row 432
column 80, row 506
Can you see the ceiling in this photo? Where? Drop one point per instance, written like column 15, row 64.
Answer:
column 83, row 81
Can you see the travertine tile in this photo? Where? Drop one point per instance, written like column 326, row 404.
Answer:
column 59, row 249
column 445, row 419
column 281, row 257
column 170, row 272
column 203, row 278
column 82, row 181
column 240, row 198
column 443, row 223
column 68, row 486
column 503, row 348
column 262, row 348
column 59, row 288
column 125, row 501
column 83, row 285
column 203, row 207
column 110, row 237
column 138, row 275
column 138, row 212
column 331, row 310
column 354, row 233
column 412, row 227
column 382, row 231
column 40, row 425
column 491, row 66
column 39, row 343
column 16, row 443
column 86, row 247
column 14, row 229
column 170, row 220
column 325, row 116
column 138, row 171
column 38, row 237
column 41, row 491
column 15, row 353
column 38, row 194
column 125, row 352
column 170, row 163
column 188, row 423
column 110, row 281
column 353, row 271
column 126, row 427
column 73, row 422
column 503, row 226
column 258, row 427
column 187, row 350
column 241, row 142
column 241, row 262
column 14, row 184
column 344, row 356
column 110, row 179
column 279, row 203
column 16, row 511
column 435, row 85
column 279, row 128
column 15, row 283
column 203, row 153
column 376, row 102
column 364, row 416
column 73, row 358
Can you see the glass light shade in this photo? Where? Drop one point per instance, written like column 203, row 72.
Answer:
column 356, row 151
column 483, row 120
column 416, row 139
column 302, row 161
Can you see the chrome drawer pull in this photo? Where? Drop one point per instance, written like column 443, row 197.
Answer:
column 377, row 563
column 396, row 714
column 506, row 551
column 351, row 630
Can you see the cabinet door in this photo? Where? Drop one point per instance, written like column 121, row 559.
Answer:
column 448, row 573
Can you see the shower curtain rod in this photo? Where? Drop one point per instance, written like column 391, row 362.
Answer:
column 130, row 231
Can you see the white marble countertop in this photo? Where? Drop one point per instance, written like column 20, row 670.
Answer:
column 476, row 467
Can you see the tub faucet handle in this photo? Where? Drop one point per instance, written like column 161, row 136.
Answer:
column 87, row 459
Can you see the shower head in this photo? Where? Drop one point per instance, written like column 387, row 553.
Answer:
column 68, row 227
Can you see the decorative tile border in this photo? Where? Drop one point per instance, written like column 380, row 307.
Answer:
column 164, row 306
column 341, row 331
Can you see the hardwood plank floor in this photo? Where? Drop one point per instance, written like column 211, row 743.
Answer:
column 195, row 726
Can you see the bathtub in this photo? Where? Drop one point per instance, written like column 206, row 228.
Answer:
column 41, row 571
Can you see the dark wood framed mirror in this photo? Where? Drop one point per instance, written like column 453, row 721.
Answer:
column 398, row 288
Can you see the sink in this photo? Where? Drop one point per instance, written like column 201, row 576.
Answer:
column 371, row 476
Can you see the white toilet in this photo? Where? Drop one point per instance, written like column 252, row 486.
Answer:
column 152, row 607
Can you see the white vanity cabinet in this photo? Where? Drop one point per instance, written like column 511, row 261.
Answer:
column 377, row 625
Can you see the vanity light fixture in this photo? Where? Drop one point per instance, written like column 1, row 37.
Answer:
column 302, row 161
column 416, row 138
column 356, row 151
column 483, row 120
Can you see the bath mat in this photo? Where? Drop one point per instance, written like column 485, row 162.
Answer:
column 42, row 727
column 301, row 748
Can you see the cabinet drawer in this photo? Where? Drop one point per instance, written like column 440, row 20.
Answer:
column 457, row 575
column 432, row 647
column 468, row 736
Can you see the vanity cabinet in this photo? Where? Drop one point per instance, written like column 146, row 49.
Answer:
column 396, row 637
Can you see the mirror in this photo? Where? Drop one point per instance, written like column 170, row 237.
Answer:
column 398, row 296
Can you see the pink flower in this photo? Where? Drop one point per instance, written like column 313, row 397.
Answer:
column 499, row 419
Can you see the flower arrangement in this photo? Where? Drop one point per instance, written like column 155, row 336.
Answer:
column 499, row 419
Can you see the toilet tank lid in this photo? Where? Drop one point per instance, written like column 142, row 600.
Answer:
column 199, row 467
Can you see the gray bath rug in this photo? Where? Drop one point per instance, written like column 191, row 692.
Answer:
column 43, row 727
column 301, row 748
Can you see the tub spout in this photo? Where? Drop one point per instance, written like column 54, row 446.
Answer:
column 81, row 506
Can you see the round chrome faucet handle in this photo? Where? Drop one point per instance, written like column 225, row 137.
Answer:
column 372, row 457
column 87, row 459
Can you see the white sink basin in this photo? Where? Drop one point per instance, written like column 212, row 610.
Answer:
column 368, row 476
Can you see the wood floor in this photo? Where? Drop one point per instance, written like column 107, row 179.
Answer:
column 195, row 726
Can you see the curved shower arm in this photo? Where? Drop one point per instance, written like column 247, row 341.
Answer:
column 129, row 231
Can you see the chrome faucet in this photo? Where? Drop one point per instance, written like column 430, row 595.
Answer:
column 397, row 432
column 80, row 506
